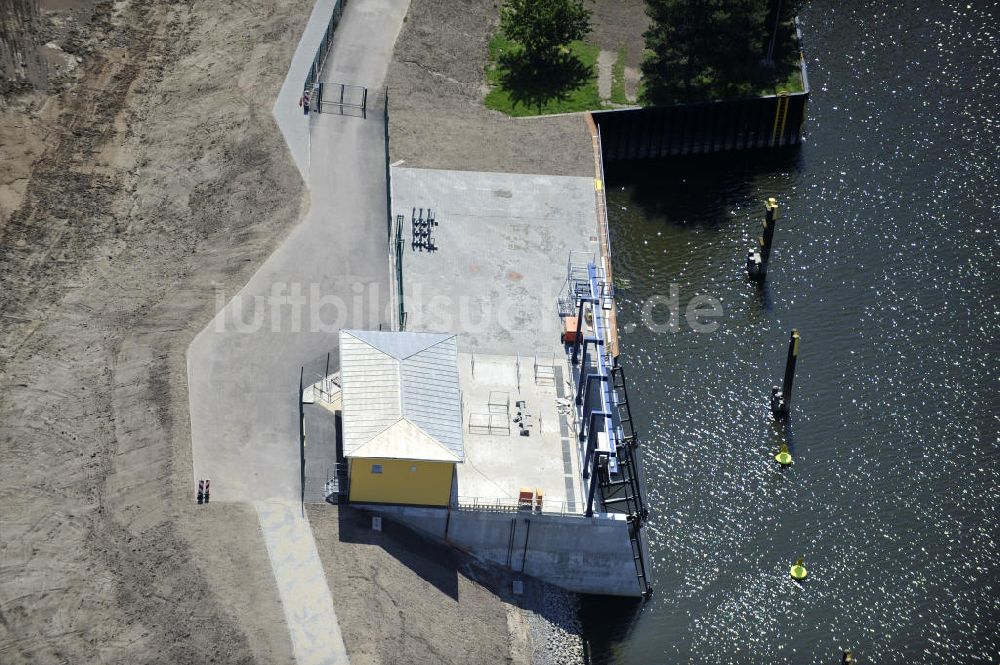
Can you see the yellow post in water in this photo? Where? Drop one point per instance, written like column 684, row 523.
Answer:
column 798, row 571
column 784, row 458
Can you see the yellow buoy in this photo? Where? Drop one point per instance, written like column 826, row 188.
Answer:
column 798, row 571
column 784, row 458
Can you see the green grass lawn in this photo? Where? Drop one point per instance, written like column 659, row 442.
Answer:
column 792, row 84
column 518, row 89
column 618, row 95
column 707, row 89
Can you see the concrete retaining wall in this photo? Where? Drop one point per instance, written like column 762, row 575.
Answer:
column 686, row 129
column 585, row 555
column 769, row 121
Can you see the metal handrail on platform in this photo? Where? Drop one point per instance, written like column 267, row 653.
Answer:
column 323, row 49
column 509, row 505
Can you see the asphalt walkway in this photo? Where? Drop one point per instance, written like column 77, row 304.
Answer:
column 332, row 272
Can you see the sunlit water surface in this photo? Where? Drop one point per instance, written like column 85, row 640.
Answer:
column 886, row 260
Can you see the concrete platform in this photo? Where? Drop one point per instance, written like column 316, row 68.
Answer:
column 498, row 460
column 503, row 242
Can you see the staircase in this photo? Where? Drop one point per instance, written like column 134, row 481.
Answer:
column 577, row 282
column 336, row 489
column 622, row 492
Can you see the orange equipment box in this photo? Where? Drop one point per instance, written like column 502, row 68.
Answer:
column 570, row 326
column 524, row 499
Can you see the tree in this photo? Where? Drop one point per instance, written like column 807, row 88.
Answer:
column 542, row 26
column 715, row 48
column 679, row 38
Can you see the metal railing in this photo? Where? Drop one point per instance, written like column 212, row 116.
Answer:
column 509, row 505
column 337, row 485
column 323, row 50
column 326, row 388
column 396, row 267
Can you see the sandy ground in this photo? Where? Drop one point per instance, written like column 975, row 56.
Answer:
column 419, row 603
column 149, row 174
column 156, row 174
column 374, row 573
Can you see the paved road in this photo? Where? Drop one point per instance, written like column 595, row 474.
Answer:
column 332, row 272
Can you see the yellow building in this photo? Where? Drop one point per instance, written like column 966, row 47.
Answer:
column 402, row 416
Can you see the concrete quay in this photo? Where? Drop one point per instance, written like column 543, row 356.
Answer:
column 502, row 241
column 582, row 554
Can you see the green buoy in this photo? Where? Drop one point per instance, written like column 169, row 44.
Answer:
column 784, row 458
column 798, row 571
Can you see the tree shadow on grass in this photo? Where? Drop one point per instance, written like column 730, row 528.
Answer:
column 532, row 81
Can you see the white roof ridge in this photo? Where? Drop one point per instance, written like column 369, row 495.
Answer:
column 445, row 337
column 393, row 450
column 431, row 437
column 438, row 338
column 387, row 377
column 392, row 424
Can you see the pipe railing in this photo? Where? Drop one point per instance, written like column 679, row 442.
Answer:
column 323, row 50
column 511, row 505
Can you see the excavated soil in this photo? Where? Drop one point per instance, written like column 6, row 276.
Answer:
column 145, row 172
column 148, row 171
column 419, row 602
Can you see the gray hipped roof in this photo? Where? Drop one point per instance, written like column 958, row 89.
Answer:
column 400, row 395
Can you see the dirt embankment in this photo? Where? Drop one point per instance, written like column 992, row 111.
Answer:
column 410, row 600
column 157, row 173
column 150, row 171
column 437, row 85
column 22, row 64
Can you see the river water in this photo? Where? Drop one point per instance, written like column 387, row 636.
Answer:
column 886, row 260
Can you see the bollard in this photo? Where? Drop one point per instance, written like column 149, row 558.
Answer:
column 781, row 398
column 206, row 490
column 757, row 258
column 766, row 240
column 201, row 492
column 755, row 265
